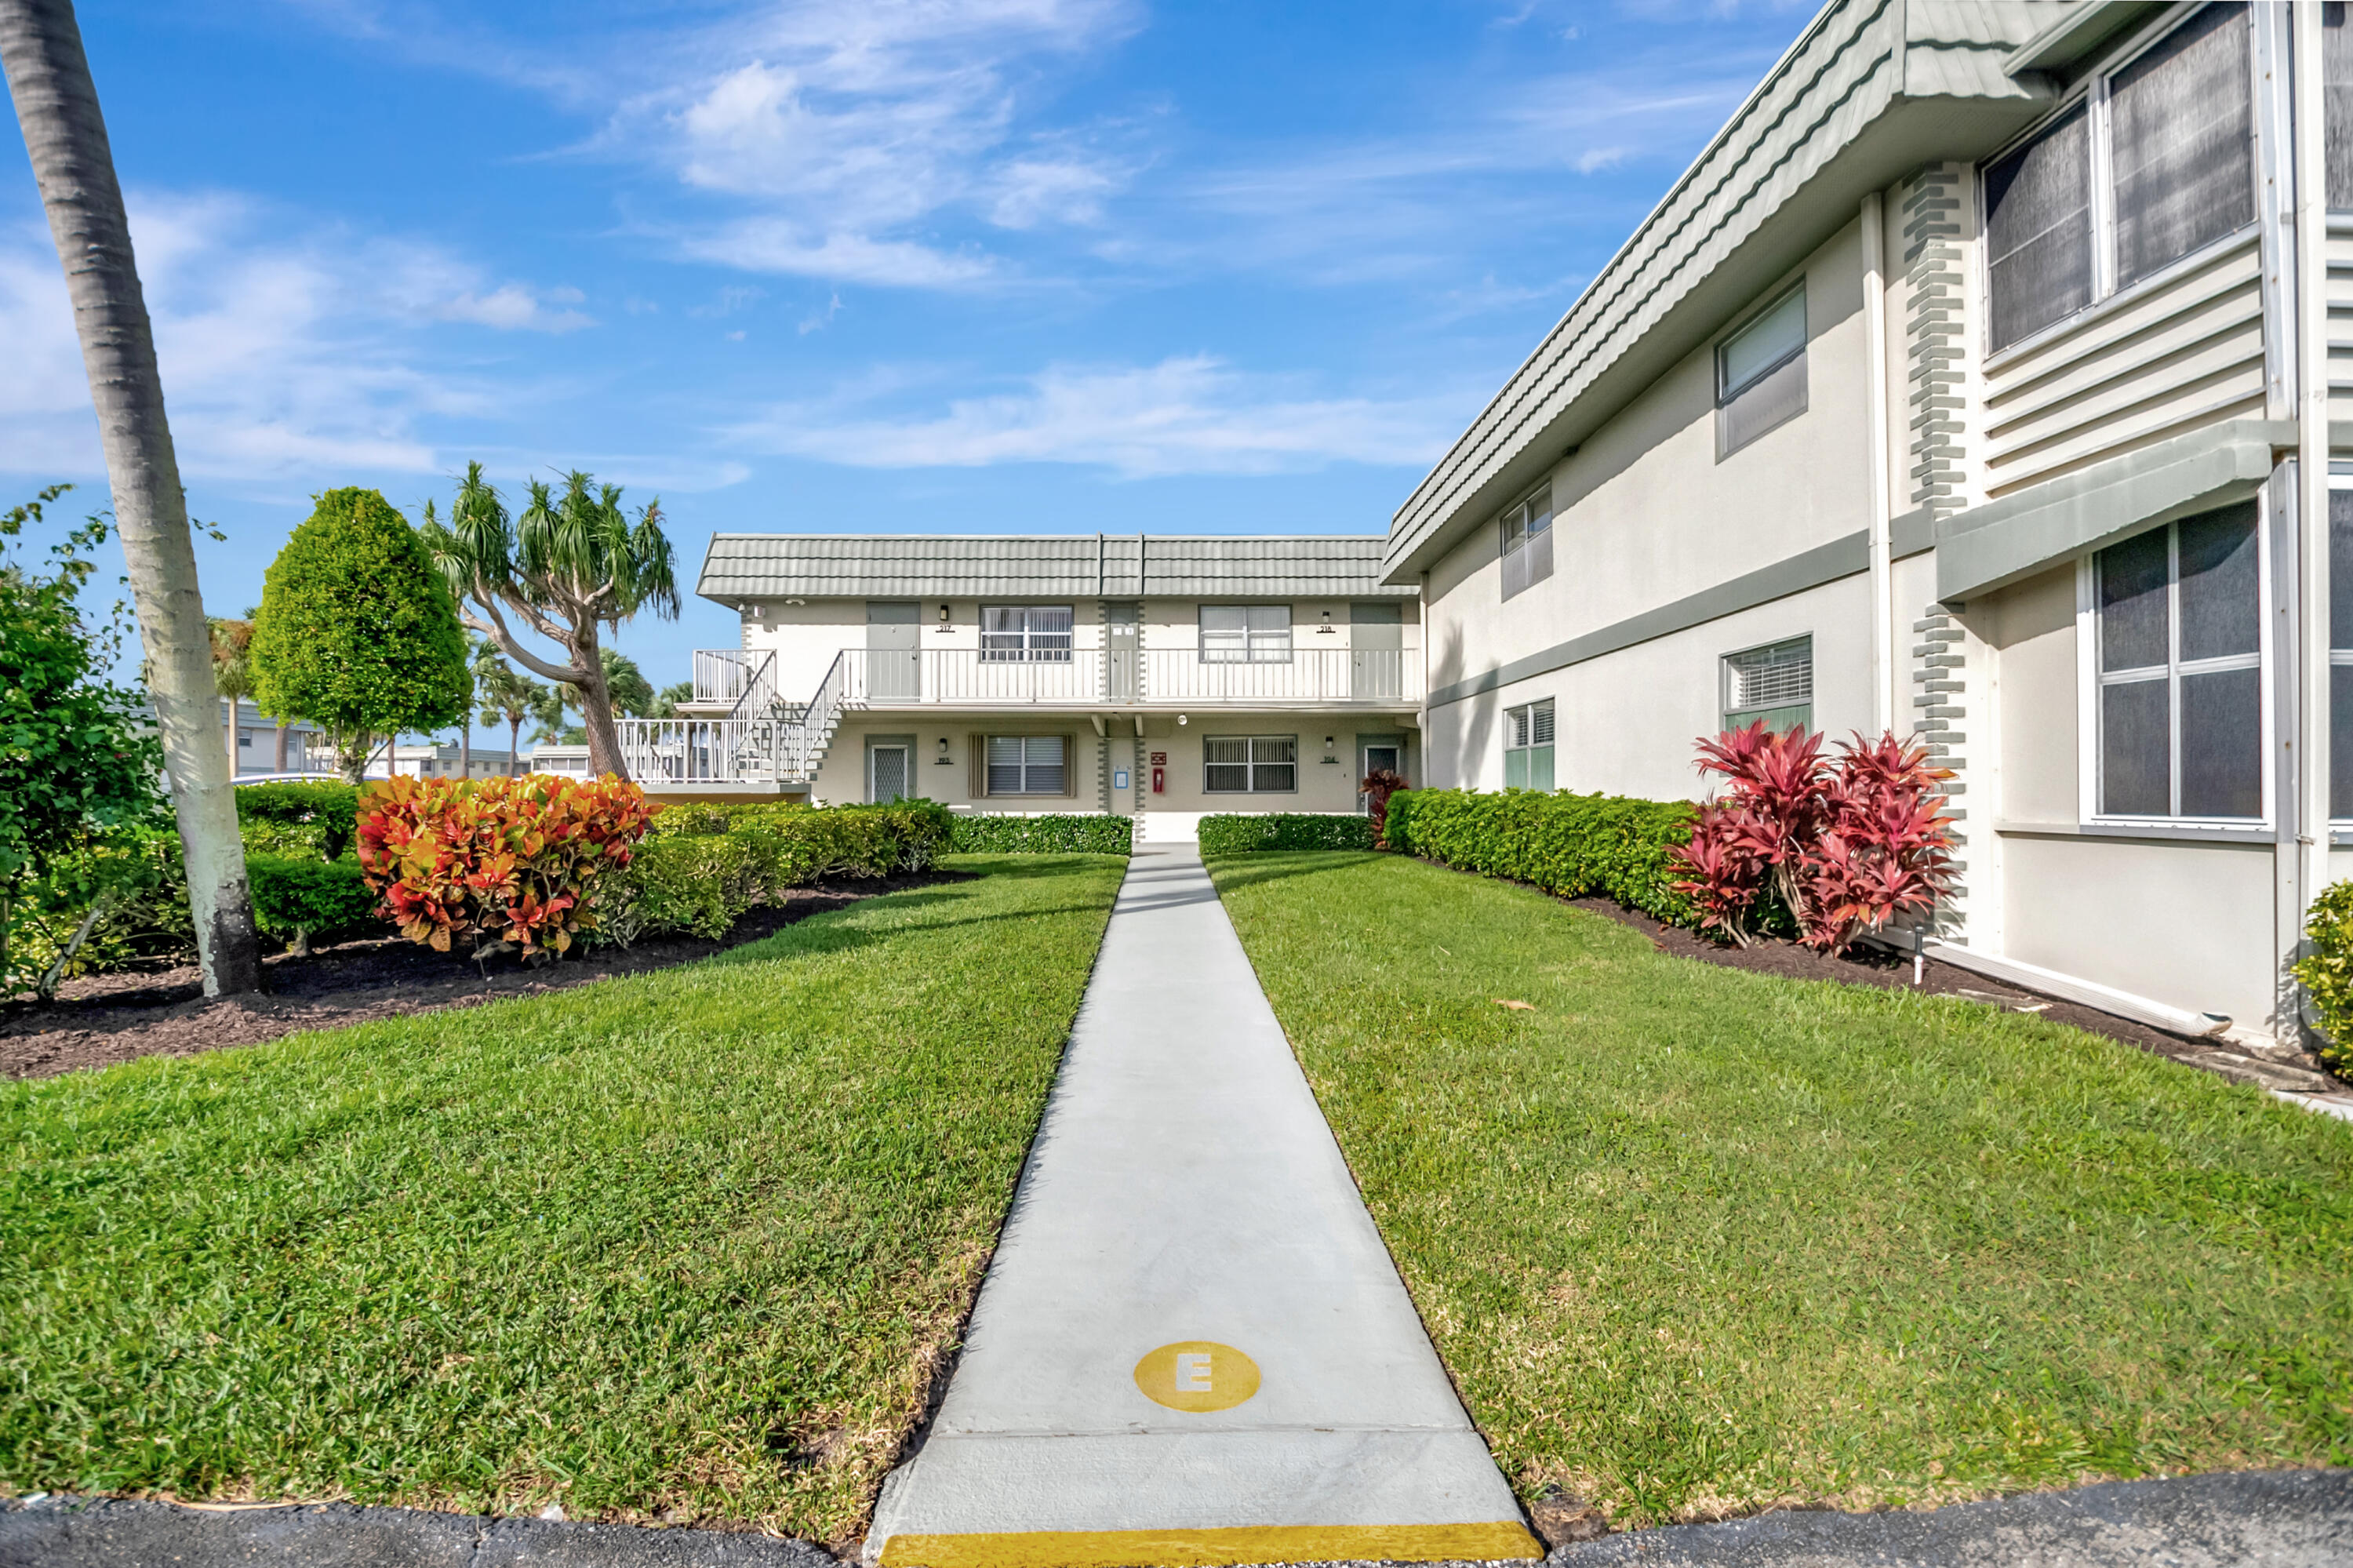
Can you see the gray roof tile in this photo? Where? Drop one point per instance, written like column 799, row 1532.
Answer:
column 742, row 567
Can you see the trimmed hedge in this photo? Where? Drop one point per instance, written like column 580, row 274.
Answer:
column 299, row 900
column 1570, row 845
column 1286, row 830
column 703, row 864
column 298, row 817
column 1057, row 832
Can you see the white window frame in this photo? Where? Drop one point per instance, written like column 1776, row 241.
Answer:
column 1526, row 556
column 1271, row 645
column 1727, row 680
column 987, row 767
column 2091, row 96
column 1032, row 651
column 1725, row 396
column 2088, row 751
column 1250, row 767
column 1540, row 718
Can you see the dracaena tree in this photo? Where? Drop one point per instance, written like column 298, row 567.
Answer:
column 570, row 563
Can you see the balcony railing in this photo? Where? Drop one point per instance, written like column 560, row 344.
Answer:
column 1088, row 677
column 710, row 751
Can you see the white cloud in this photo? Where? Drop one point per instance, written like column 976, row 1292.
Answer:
column 1189, row 415
column 851, row 128
column 281, row 356
column 776, row 245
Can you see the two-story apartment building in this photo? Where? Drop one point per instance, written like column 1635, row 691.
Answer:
column 1147, row 676
column 1976, row 380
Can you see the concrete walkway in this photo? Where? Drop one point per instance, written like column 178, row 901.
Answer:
column 1192, row 1347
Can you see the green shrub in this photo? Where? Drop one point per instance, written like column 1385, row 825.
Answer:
column 1055, row 832
column 1570, row 845
column 299, row 899
column 135, row 882
column 1285, row 831
column 298, row 817
column 2326, row 971
column 704, row 863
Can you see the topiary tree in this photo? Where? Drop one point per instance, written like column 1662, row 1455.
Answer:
column 358, row 631
column 570, row 563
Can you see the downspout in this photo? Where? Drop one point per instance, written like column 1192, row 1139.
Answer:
column 2311, row 316
column 1883, row 553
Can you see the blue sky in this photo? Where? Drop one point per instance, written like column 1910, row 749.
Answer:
column 852, row 265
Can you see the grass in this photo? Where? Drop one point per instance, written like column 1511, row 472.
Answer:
column 679, row 1246
column 1695, row 1241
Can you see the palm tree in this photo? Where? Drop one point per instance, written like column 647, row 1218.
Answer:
column 57, row 106
column 569, row 563
column 506, row 695
column 232, row 669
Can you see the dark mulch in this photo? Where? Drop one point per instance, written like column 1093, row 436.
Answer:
column 99, row 1020
column 2271, row 1067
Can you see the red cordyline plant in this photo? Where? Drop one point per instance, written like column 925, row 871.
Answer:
column 1845, row 844
column 1377, row 787
column 504, row 861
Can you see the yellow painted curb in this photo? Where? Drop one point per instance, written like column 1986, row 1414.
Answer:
column 1211, row 1548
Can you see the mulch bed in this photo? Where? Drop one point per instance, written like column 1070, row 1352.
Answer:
column 99, row 1020
column 2272, row 1067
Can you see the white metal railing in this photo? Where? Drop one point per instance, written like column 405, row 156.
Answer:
column 766, row 741
column 706, row 751
column 721, row 673
column 1308, row 675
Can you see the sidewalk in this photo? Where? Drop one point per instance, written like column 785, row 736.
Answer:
column 1192, row 1347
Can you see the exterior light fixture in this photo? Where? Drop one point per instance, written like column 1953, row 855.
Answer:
column 1329, row 755
column 943, row 615
column 1180, row 721
column 941, row 760
column 1325, row 629
column 796, row 602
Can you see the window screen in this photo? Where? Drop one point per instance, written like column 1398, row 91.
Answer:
column 1528, row 745
column 1250, row 763
column 1027, row 765
column 2181, row 136
column 2180, row 675
column 1774, row 685
column 2039, row 231
column 1527, row 543
column 1760, row 373
column 1034, row 633
column 1245, row 634
column 2337, row 92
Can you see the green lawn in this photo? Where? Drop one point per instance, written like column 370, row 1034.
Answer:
column 680, row 1244
column 1694, row 1240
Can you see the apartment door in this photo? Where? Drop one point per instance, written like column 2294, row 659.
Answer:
column 1377, row 646
column 891, row 655
column 887, row 766
column 1120, row 653
column 1377, row 754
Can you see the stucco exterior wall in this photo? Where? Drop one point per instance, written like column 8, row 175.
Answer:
column 1644, row 511
column 1322, row 787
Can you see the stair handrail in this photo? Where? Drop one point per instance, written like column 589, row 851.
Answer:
column 758, row 698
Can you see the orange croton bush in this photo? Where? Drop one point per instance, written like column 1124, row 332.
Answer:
column 501, row 862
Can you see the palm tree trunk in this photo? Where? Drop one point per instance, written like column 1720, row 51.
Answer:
column 280, row 764
column 514, row 744
column 466, row 750
column 56, row 105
